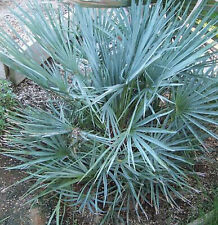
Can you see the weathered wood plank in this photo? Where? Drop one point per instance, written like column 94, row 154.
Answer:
column 4, row 71
column 37, row 54
column 15, row 77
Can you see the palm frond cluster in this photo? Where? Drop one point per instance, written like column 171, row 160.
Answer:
column 139, row 95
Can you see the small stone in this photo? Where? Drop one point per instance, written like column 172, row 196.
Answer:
column 37, row 218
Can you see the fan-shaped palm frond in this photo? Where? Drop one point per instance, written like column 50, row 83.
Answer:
column 196, row 106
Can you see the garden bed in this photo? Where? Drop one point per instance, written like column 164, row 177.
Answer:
column 30, row 94
column 13, row 210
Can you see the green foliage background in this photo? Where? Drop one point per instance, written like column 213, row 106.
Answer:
column 7, row 101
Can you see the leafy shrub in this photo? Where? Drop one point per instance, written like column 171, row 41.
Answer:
column 7, row 101
column 138, row 94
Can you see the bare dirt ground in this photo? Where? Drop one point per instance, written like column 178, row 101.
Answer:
column 12, row 204
column 13, row 207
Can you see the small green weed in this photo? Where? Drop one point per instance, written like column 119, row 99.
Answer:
column 213, row 220
column 7, row 101
column 207, row 210
column 3, row 220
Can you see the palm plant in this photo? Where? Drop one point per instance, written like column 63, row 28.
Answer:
column 138, row 93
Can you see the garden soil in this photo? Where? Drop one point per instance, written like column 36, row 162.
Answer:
column 14, row 209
